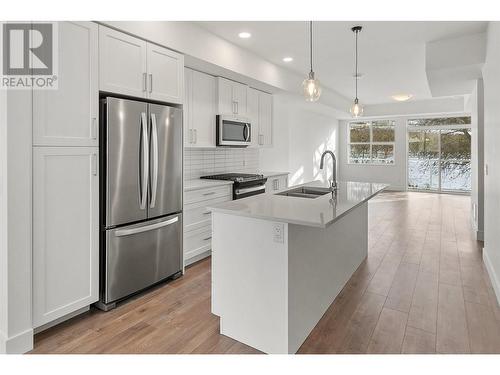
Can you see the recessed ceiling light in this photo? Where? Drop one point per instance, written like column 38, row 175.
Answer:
column 402, row 97
column 244, row 35
column 287, row 59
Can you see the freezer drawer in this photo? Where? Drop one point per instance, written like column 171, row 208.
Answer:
column 140, row 255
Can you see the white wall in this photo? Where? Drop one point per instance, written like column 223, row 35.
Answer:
column 16, row 334
column 394, row 175
column 476, row 104
column 301, row 132
column 3, row 220
column 491, row 77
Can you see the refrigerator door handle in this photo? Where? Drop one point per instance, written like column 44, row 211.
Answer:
column 154, row 139
column 147, row 228
column 144, row 154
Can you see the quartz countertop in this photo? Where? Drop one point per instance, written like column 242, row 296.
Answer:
column 315, row 212
column 198, row 183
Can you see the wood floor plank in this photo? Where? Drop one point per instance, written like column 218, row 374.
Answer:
column 423, row 310
column 382, row 280
column 418, row 341
column 403, row 285
column 452, row 333
column 484, row 329
column 389, row 333
column 362, row 323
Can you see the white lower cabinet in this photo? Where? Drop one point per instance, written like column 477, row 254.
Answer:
column 65, row 231
column 275, row 183
column 198, row 220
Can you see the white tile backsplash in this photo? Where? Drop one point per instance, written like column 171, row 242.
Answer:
column 199, row 162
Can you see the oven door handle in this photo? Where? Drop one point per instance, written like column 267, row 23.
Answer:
column 250, row 189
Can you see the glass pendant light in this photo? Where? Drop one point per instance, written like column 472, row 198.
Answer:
column 356, row 108
column 311, row 86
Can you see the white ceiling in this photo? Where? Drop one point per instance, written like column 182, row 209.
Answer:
column 391, row 54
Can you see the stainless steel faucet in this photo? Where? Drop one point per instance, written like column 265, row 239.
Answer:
column 333, row 182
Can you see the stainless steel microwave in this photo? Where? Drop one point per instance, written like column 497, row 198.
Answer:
column 233, row 131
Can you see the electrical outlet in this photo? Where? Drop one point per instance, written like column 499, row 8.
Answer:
column 278, row 229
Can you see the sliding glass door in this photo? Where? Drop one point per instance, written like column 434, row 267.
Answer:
column 439, row 153
column 423, row 159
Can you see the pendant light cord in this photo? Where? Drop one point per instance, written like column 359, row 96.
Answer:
column 356, row 63
column 311, row 42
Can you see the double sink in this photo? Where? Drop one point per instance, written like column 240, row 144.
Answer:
column 306, row 192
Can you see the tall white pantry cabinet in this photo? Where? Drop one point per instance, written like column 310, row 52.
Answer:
column 65, row 180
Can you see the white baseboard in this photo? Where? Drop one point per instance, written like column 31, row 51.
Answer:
column 18, row 344
column 492, row 274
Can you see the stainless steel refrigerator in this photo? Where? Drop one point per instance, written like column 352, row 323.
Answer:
column 141, row 196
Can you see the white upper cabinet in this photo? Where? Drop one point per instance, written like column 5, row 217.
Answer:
column 225, row 96
column 200, row 109
column 65, row 231
column 186, row 120
column 203, row 112
column 253, row 114
column 260, row 112
column 232, row 97
column 133, row 67
column 165, row 74
column 265, row 119
column 68, row 115
column 122, row 63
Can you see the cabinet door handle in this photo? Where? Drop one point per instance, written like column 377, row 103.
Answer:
column 210, row 193
column 144, row 82
column 151, row 83
column 207, row 213
column 190, row 136
column 93, row 131
column 237, row 109
column 208, row 238
column 195, row 136
column 94, row 164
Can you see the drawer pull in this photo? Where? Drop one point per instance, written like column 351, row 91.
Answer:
column 207, row 213
column 210, row 193
column 208, row 238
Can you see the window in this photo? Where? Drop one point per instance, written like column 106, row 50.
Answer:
column 371, row 142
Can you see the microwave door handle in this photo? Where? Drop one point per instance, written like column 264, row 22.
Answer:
column 246, row 132
column 154, row 140
column 144, row 154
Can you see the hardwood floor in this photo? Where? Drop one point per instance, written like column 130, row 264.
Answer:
column 422, row 289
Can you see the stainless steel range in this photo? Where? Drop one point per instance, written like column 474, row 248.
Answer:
column 245, row 184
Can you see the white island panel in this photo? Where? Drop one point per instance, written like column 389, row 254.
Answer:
column 249, row 282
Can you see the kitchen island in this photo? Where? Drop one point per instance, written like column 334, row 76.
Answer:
column 280, row 259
